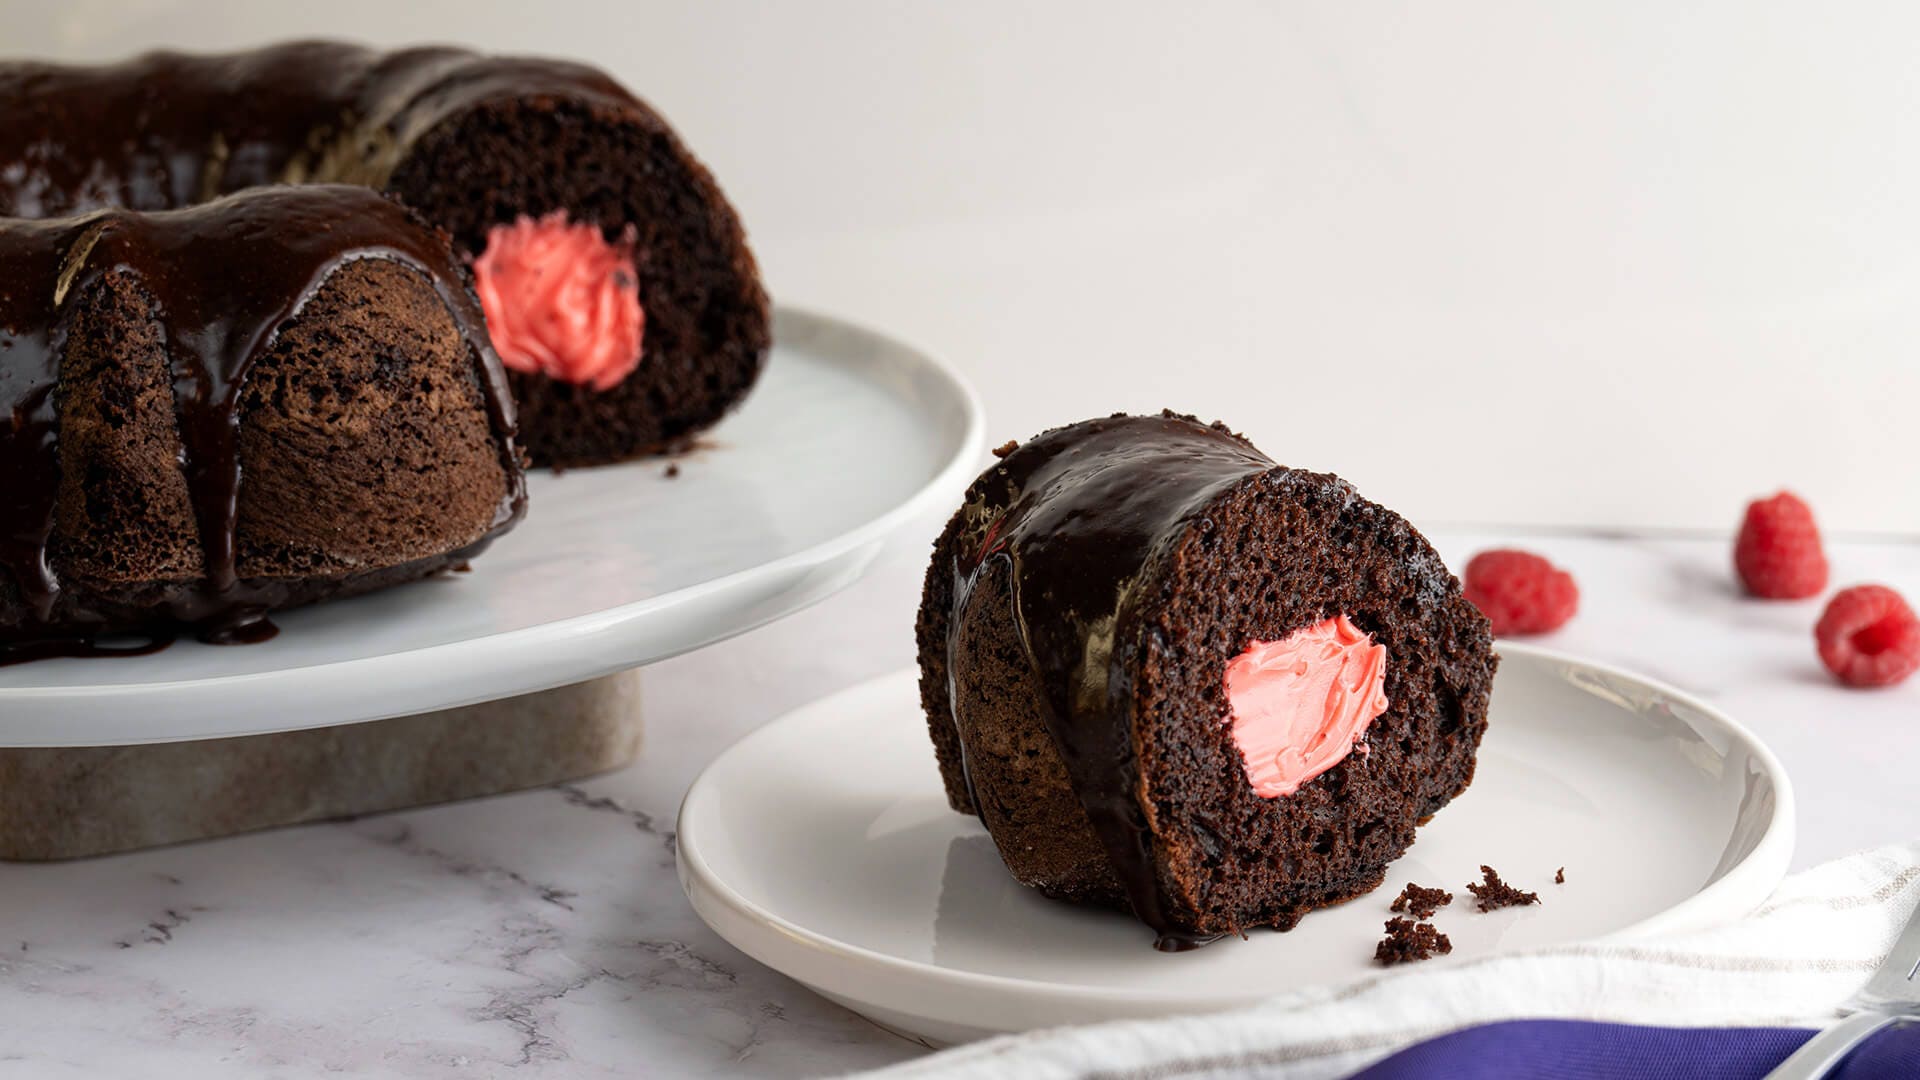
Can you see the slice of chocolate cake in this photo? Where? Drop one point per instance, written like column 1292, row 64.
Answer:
column 1173, row 677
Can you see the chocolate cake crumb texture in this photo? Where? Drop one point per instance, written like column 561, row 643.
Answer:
column 1421, row 903
column 1408, row 941
column 1560, row 876
column 1495, row 894
column 673, row 470
column 1006, row 448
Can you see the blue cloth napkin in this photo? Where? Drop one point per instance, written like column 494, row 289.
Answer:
column 1572, row 1050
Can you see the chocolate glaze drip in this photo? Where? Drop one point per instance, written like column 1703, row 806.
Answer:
column 1082, row 515
column 225, row 277
column 168, row 129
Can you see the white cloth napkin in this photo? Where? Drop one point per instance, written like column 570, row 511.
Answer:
column 1791, row 963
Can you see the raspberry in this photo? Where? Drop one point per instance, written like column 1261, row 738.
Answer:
column 1868, row 636
column 1521, row 593
column 1778, row 555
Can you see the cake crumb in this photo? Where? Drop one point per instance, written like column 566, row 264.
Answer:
column 1495, row 894
column 673, row 469
column 1421, row 903
column 1407, row 941
column 1006, row 448
column 1560, row 876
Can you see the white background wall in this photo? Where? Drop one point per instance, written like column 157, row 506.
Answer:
column 1611, row 264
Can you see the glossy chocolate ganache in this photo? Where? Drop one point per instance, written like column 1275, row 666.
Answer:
column 223, row 279
column 1079, row 515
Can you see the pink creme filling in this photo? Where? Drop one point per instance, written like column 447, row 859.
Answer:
column 1300, row 705
column 561, row 301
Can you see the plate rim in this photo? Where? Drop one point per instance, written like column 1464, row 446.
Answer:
column 848, row 544
column 1746, row 883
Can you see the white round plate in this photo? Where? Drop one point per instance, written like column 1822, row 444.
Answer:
column 822, row 846
column 848, row 434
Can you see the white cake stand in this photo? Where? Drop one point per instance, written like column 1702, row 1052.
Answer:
column 848, row 435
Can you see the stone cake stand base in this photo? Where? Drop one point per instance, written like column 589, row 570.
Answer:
column 65, row 803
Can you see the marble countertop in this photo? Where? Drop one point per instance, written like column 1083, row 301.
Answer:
column 544, row 934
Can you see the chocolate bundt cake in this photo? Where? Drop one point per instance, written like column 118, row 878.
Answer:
column 213, row 413
column 614, row 275
column 1171, row 676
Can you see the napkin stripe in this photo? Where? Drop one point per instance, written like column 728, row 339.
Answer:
column 1278, row 1055
column 1845, row 903
column 1169, row 1070
column 1740, row 964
